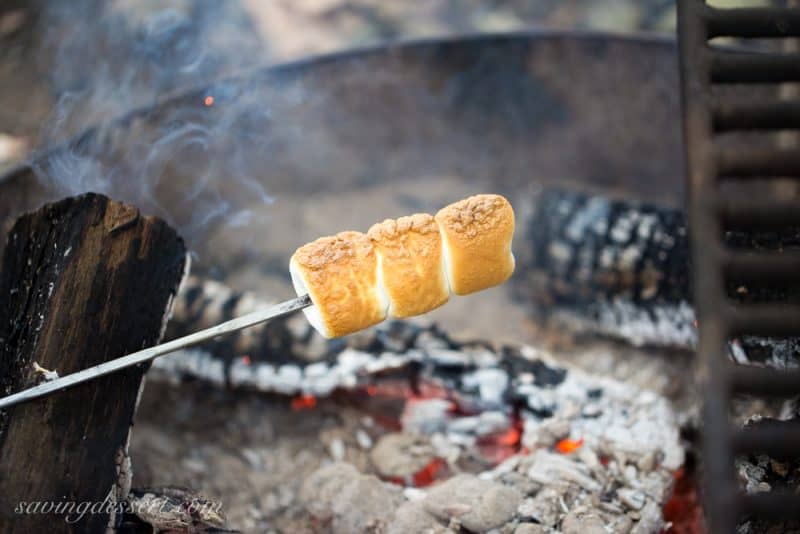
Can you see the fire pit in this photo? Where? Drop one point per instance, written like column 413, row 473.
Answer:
column 526, row 428
column 563, row 401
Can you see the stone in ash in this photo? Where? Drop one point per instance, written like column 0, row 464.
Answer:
column 477, row 505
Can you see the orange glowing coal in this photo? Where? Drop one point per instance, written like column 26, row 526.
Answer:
column 498, row 447
column 208, row 101
column 567, row 446
column 509, row 438
column 684, row 509
column 303, row 402
column 426, row 476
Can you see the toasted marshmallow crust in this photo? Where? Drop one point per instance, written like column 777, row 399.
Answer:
column 477, row 234
column 404, row 267
column 340, row 274
column 412, row 264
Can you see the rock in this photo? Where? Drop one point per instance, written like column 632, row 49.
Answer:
column 479, row 505
column 583, row 521
column 529, row 528
column 337, row 449
column 651, row 519
column 352, row 502
column 520, row 482
column 491, row 384
column 464, row 425
column 620, row 524
column 414, row 494
column 254, row 458
column 401, row 455
column 491, row 423
column 544, row 508
column 323, row 485
column 363, row 440
column 647, row 462
column 412, row 517
column 592, row 410
column 550, row 432
column 365, row 505
column 633, row 499
column 548, row 468
column 426, row 416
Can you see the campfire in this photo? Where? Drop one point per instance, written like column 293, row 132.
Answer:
column 635, row 374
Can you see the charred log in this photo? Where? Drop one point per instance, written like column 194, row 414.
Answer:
column 623, row 269
column 87, row 280
column 171, row 509
column 609, row 266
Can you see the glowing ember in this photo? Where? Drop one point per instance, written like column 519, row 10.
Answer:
column 426, row 476
column 509, row 437
column 567, row 446
column 208, row 101
column 501, row 446
column 683, row 509
column 304, row 402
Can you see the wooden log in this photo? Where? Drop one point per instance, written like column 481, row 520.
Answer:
column 84, row 280
column 608, row 266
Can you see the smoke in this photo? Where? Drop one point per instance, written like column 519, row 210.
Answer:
column 103, row 59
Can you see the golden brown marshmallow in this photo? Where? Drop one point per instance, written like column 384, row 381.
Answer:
column 411, row 264
column 340, row 274
column 477, row 234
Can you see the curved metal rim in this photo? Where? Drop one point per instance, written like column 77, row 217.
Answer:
column 309, row 62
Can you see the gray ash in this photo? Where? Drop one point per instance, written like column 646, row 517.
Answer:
column 563, row 448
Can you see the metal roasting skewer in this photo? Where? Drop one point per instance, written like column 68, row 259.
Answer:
column 146, row 355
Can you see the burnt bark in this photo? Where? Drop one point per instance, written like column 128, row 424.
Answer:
column 616, row 267
column 84, row 280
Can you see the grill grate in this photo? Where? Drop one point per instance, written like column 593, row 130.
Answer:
column 711, row 112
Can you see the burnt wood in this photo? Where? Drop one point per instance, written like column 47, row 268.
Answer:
column 84, row 280
column 605, row 265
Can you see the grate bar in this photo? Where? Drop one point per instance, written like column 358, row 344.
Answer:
column 730, row 115
column 700, row 177
column 753, row 22
column 763, row 381
column 774, row 266
column 774, row 504
column 776, row 438
column 757, row 162
column 760, row 214
column 738, row 67
column 763, row 319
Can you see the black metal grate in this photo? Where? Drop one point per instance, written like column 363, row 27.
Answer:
column 711, row 113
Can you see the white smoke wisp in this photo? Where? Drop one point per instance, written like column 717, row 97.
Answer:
column 106, row 58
